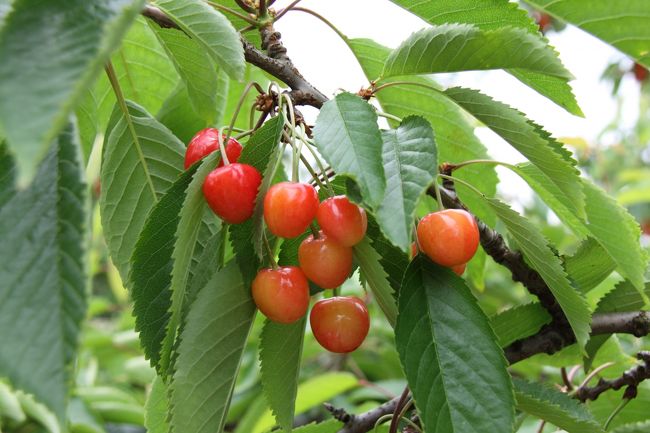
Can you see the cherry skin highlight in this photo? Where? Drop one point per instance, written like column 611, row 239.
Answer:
column 205, row 142
column 342, row 220
column 289, row 208
column 340, row 324
column 324, row 261
column 231, row 190
column 281, row 294
column 449, row 237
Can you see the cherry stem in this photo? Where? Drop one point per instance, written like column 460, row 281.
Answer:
column 462, row 182
column 382, row 420
column 262, row 8
column 287, row 9
column 274, row 264
column 320, row 17
column 240, row 103
column 453, row 167
column 592, row 375
column 320, row 164
column 222, row 148
column 398, row 408
column 616, row 411
column 389, row 116
column 223, row 8
column 436, row 188
column 336, row 291
column 314, row 230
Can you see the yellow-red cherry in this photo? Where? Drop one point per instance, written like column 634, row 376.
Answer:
column 205, row 142
column 231, row 190
column 281, row 294
column 324, row 261
column 340, row 324
column 449, row 237
column 289, row 208
column 342, row 220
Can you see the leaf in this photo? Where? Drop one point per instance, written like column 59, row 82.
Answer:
column 10, row 406
column 136, row 171
column 49, row 52
column 454, row 134
column 541, row 258
column 639, row 427
column 211, row 30
column 348, row 137
column 376, row 278
column 151, row 266
column 393, row 260
column 43, row 274
column 554, row 407
column 7, row 174
column 280, row 352
column 178, row 115
column 464, row 47
column 623, row 27
column 491, row 15
column 155, row 415
column 329, row 426
column 38, row 412
column 199, row 73
column 519, row 322
column 589, row 266
column 209, row 353
column 410, row 164
column 457, row 387
column 529, row 139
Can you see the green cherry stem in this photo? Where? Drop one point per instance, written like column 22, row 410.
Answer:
column 462, row 182
column 454, row 167
column 389, row 116
column 223, row 8
column 287, row 9
column 222, row 149
column 616, row 411
column 436, row 188
column 274, row 264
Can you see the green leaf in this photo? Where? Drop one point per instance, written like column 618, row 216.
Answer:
column 639, row 427
column 541, row 258
column 211, row 30
column 529, row 139
column 622, row 244
column 136, row 171
column 376, row 278
column 464, row 47
column 7, row 174
column 49, row 52
column 43, row 274
column 554, row 407
column 280, row 352
column 457, row 387
column 178, row 115
column 155, row 410
column 410, row 164
column 393, row 260
column 519, row 322
column 81, row 418
column 211, row 345
column 623, row 26
column 589, row 266
column 491, row 15
column 38, row 412
column 199, row 73
column 348, row 137
column 329, row 426
column 454, row 134
column 151, row 266
column 10, row 406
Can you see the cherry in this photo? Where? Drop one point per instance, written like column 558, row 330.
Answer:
column 340, row 324
column 342, row 220
column 289, row 208
column 281, row 294
column 449, row 237
column 231, row 190
column 458, row 269
column 324, row 261
column 544, row 21
column 640, row 72
column 205, row 142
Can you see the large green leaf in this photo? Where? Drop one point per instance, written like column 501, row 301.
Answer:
column 529, row 139
column 211, row 345
column 211, row 30
column 329, row 426
column 454, row 134
column 490, row 15
column 155, row 415
column 376, row 278
column 639, row 427
column 43, row 283
column 393, row 260
column 554, row 407
column 49, row 52
column 179, row 116
column 464, row 47
column 348, row 137
column 136, row 171
column 410, row 163
column 541, row 258
column 623, row 25
column 589, row 266
column 7, row 174
column 519, row 322
column 197, row 70
column 457, row 387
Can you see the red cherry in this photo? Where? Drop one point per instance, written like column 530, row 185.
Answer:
column 324, row 261
column 342, row 220
column 449, row 237
column 640, row 72
column 544, row 21
column 459, row 269
column 231, row 190
column 289, row 208
column 281, row 294
column 340, row 324
column 205, row 142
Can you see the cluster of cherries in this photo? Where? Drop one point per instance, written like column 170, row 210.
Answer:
column 340, row 323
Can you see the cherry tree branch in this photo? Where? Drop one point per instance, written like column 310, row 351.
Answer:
column 631, row 379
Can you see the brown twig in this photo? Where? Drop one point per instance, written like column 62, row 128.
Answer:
column 631, row 379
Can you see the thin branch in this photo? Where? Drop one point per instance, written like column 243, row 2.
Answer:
column 159, row 17
column 366, row 421
column 631, row 379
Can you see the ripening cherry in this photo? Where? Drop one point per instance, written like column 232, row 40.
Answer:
column 458, row 269
column 281, row 294
column 231, row 190
column 289, row 208
column 449, row 237
column 340, row 324
column 640, row 72
column 324, row 261
column 342, row 220
column 205, row 142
